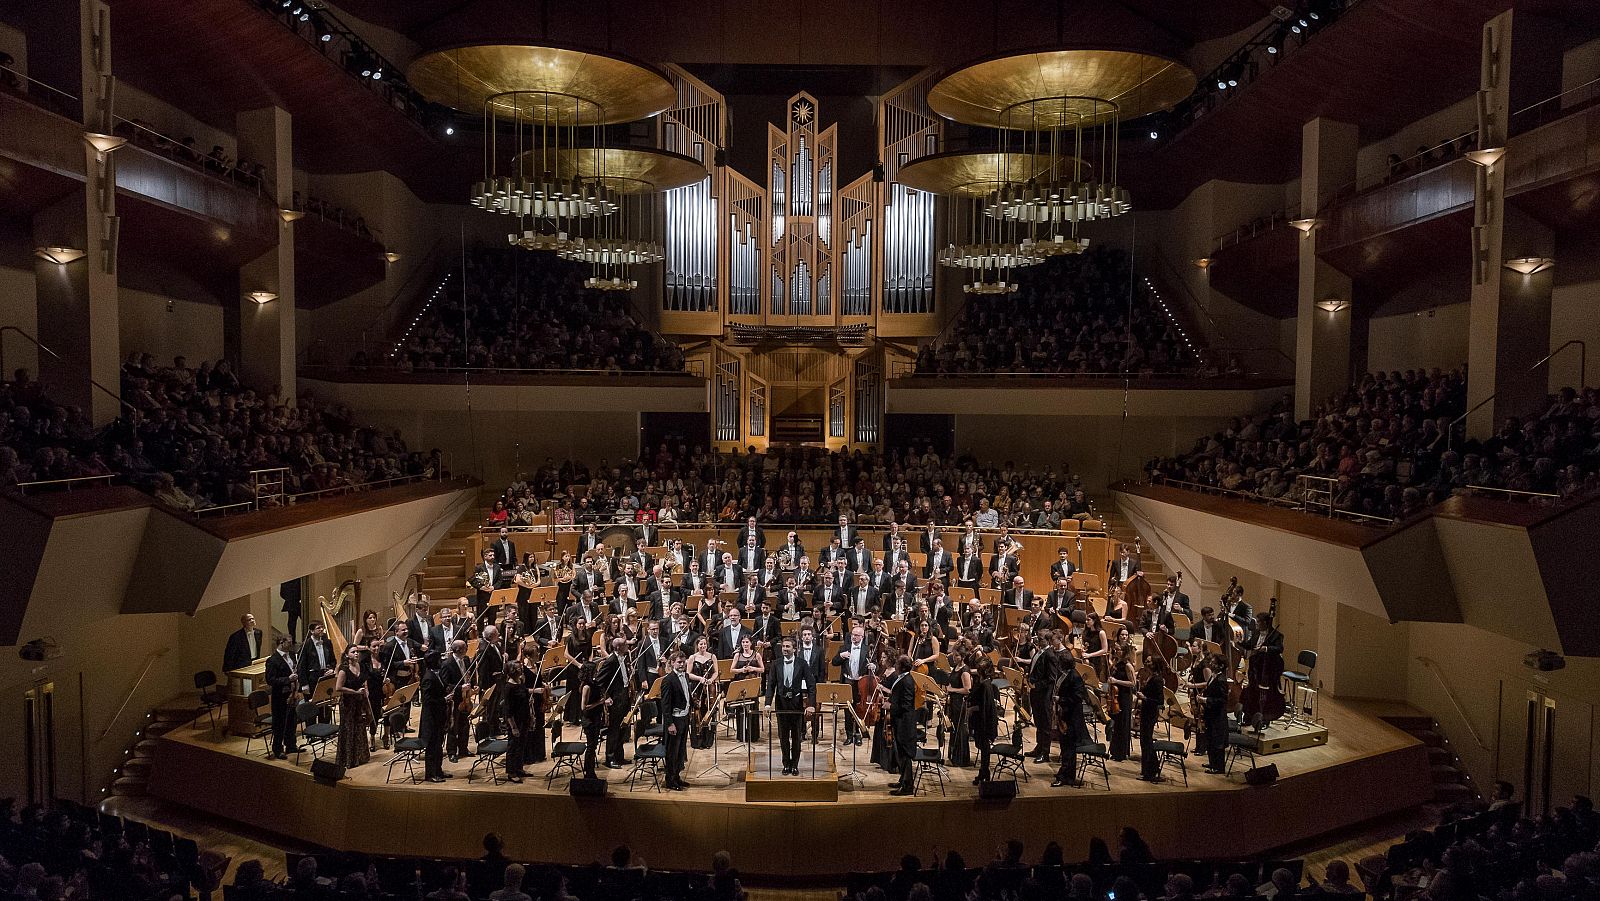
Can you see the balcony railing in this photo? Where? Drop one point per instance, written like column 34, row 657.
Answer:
column 1307, row 496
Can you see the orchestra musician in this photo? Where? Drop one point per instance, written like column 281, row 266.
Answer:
column 881, row 579
column 939, row 563
column 284, row 684
column 862, row 597
column 854, row 661
column 317, row 661
column 1042, row 671
column 565, row 572
column 791, row 694
column 747, row 664
column 902, row 718
column 702, row 672
column 435, row 693
column 504, row 549
column 1062, row 568
column 517, row 710
column 616, row 687
column 1016, row 594
column 969, row 571
column 1152, row 697
column 647, row 535
column 846, row 533
column 814, row 651
column 589, row 540
column 1070, row 694
column 985, row 704
column 675, row 702
column 420, row 621
column 1211, row 628
column 1121, row 679
column 896, row 555
column 1004, row 566
column 694, row 581
column 834, row 551
column 1061, row 598
column 1216, row 714
column 893, row 538
column 592, row 704
column 1121, row 569
column 243, row 646
column 752, row 534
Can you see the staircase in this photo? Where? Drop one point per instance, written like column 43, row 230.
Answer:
column 131, row 778
column 446, row 568
column 1121, row 530
column 1450, row 782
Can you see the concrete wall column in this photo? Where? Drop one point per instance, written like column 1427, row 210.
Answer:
column 77, row 300
column 1322, row 336
column 267, row 330
column 1509, row 326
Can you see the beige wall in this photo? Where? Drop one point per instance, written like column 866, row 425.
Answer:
column 167, row 327
column 1575, row 308
column 1099, row 449
column 1433, row 337
column 19, row 307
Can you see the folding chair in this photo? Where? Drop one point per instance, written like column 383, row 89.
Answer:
column 406, row 752
column 649, row 761
column 317, row 735
column 567, row 757
column 212, row 695
column 929, row 764
column 1093, row 756
column 260, row 723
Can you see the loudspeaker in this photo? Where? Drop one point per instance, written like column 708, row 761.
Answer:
column 1262, row 775
column 587, row 788
column 326, row 771
column 997, row 790
column 719, row 157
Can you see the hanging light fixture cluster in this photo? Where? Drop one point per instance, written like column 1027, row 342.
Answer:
column 1057, row 116
column 545, row 160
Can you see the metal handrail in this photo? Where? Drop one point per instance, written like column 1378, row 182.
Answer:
column 35, row 342
column 1300, row 506
column 1509, row 491
column 176, row 152
column 1515, row 127
column 901, row 372
column 133, row 689
column 290, row 499
column 870, row 529
column 1583, row 364
column 314, row 369
column 22, row 487
column 34, row 81
column 1274, row 220
column 1433, row 666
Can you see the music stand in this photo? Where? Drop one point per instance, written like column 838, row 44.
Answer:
column 789, row 628
column 741, row 695
column 960, row 595
column 833, row 696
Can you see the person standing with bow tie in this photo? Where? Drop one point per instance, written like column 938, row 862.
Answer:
column 792, row 694
column 505, row 552
column 283, row 683
column 675, row 700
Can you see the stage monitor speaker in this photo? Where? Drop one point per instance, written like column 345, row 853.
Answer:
column 587, row 788
column 1262, row 775
column 326, row 772
column 997, row 790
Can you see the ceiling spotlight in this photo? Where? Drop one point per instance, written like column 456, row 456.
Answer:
column 377, row 74
column 1233, row 82
column 449, row 129
column 1202, row 264
column 59, row 255
column 1154, row 134
column 1222, row 84
column 103, row 143
column 1272, row 48
column 288, row 215
column 1304, row 24
column 1313, row 15
column 1295, row 28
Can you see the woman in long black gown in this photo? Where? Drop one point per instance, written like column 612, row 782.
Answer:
column 350, row 687
column 959, row 691
column 1121, row 681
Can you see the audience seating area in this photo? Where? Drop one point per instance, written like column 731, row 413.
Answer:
column 192, row 436
column 1393, row 447
column 674, row 484
column 1477, row 853
column 531, row 311
column 1071, row 316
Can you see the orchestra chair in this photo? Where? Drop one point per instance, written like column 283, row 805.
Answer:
column 1298, row 682
column 929, row 765
column 212, row 696
column 1169, row 753
column 1240, row 746
column 1093, row 756
column 260, row 702
column 650, row 762
column 490, row 749
column 398, row 702
column 1006, row 759
column 656, row 730
column 567, row 757
column 1069, row 527
column 407, row 751
column 317, row 735
column 1093, row 525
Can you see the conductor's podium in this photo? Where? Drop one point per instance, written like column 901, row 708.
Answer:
column 764, row 779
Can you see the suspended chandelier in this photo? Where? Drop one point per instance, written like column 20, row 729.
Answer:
column 1056, row 115
column 544, row 115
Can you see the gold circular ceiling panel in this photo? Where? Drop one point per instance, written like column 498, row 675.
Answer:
column 581, row 87
column 977, row 173
column 1060, row 88
column 625, row 170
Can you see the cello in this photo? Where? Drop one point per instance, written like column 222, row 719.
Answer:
column 1262, row 696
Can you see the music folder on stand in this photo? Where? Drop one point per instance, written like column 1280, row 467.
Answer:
column 836, row 696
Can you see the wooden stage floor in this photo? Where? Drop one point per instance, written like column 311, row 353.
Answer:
column 1366, row 769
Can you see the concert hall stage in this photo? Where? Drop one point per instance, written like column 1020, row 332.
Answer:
column 1366, row 768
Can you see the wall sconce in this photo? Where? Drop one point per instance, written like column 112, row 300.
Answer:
column 1529, row 265
column 1304, row 225
column 262, row 297
column 289, row 216
column 61, row 256
column 391, row 257
column 1203, row 263
column 1486, row 157
column 103, row 143
column 1333, row 304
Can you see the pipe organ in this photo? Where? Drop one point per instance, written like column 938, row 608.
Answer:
column 802, row 263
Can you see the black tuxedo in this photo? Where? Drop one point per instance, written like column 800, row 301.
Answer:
column 895, row 604
column 730, row 574
column 441, row 638
column 925, row 541
column 395, row 657
column 859, row 560
column 791, row 688
column 310, row 668
column 694, row 583
column 744, row 537
column 846, row 536
column 1058, row 599
column 970, row 571
column 675, row 695
column 1022, row 599
column 1062, row 569
column 613, row 676
column 750, row 598
column 939, row 563
column 891, row 560
column 882, row 582
column 587, row 542
column 647, row 535
column 862, row 599
column 1070, row 694
column 985, row 705
column 826, row 597
column 1009, row 562
column 1217, row 632
column 1042, row 672
column 421, row 628
column 750, row 558
column 796, row 551
column 889, row 538
column 725, row 641
column 281, row 682
column 485, row 579
column 829, row 554
column 903, row 717
column 236, row 654
column 505, row 552
column 1120, row 570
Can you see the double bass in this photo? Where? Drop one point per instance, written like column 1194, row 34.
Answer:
column 1262, row 697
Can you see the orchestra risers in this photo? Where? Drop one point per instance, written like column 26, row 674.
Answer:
column 819, row 779
column 445, row 571
column 1121, row 530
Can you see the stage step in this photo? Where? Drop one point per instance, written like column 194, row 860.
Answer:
column 1451, row 782
column 1444, row 773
